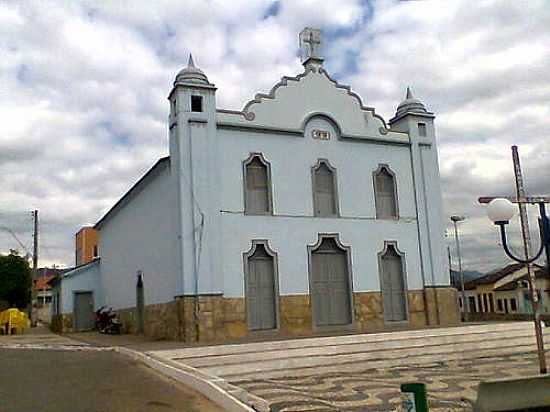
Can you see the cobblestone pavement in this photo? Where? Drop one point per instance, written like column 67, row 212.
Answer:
column 451, row 385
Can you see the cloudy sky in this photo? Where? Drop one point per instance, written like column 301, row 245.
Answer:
column 83, row 89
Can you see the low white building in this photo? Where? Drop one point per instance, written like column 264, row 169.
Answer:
column 303, row 212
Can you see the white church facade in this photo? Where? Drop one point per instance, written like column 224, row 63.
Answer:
column 304, row 212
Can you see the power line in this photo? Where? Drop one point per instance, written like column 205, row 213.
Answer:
column 12, row 233
column 16, row 225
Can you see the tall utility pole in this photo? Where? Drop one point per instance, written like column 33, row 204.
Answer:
column 34, row 265
column 527, row 249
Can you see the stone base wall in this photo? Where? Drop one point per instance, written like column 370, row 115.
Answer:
column 211, row 318
column 446, row 301
column 62, row 323
column 429, row 307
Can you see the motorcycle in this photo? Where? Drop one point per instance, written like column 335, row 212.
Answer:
column 107, row 322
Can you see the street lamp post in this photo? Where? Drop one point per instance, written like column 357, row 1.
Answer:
column 455, row 219
column 500, row 211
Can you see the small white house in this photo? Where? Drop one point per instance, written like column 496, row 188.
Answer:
column 77, row 293
column 303, row 212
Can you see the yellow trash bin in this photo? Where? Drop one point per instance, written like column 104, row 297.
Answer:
column 13, row 320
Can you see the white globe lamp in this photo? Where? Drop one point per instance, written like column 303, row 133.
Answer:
column 500, row 211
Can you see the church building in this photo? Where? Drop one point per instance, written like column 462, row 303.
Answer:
column 303, row 213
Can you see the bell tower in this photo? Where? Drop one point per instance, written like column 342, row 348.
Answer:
column 412, row 118
column 194, row 158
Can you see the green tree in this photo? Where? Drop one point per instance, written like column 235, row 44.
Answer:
column 15, row 280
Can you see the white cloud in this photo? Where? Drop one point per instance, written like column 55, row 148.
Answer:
column 83, row 90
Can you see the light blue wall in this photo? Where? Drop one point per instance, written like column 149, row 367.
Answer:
column 436, row 229
column 194, row 152
column 85, row 279
column 291, row 159
column 142, row 236
column 289, row 237
column 293, row 227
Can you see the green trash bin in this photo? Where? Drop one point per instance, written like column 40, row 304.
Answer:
column 414, row 397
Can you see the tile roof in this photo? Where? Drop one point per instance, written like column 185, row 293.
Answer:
column 494, row 276
column 498, row 274
column 43, row 282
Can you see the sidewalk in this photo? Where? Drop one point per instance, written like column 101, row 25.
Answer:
column 136, row 342
column 144, row 344
column 38, row 336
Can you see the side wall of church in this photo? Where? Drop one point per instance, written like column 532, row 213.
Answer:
column 142, row 236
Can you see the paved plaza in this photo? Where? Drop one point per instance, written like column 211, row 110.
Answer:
column 337, row 373
column 451, row 385
column 364, row 372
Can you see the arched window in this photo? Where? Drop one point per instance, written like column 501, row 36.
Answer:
column 385, row 193
column 257, row 186
column 261, row 286
column 325, row 201
column 392, row 284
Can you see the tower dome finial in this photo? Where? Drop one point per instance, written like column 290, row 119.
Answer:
column 191, row 74
column 410, row 105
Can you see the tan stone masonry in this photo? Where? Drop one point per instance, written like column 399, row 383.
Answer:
column 62, row 323
column 214, row 318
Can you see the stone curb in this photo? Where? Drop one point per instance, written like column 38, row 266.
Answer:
column 229, row 397
column 53, row 346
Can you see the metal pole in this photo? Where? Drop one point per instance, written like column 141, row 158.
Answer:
column 527, row 247
column 524, row 220
column 464, row 302
column 545, row 237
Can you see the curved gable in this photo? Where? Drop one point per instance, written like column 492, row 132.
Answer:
column 293, row 100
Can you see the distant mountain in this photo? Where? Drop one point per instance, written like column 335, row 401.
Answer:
column 468, row 275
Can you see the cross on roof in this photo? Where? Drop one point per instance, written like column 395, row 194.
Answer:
column 310, row 43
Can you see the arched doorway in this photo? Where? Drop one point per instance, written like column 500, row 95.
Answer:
column 330, row 282
column 261, row 287
column 392, row 283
